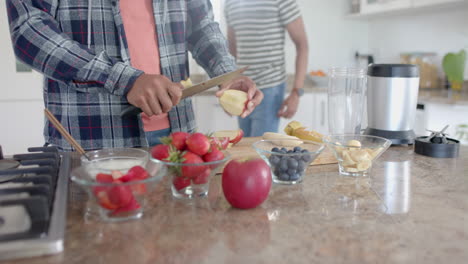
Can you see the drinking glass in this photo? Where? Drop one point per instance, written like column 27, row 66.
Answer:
column 346, row 88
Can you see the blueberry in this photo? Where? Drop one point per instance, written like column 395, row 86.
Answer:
column 291, row 172
column 301, row 166
column 292, row 163
column 284, row 164
column 275, row 149
column 274, row 160
column 297, row 149
column 306, row 158
column 277, row 171
column 290, row 151
column 284, row 150
column 283, row 176
column 294, row 177
column 304, row 151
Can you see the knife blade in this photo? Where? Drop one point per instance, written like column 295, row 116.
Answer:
column 195, row 89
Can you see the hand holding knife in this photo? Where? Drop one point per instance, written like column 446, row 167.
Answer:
column 198, row 88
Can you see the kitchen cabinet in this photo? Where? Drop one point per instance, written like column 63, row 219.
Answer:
column 437, row 116
column 376, row 6
column 421, row 3
column 210, row 116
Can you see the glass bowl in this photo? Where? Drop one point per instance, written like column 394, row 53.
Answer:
column 288, row 158
column 190, row 181
column 118, row 182
column 356, row 153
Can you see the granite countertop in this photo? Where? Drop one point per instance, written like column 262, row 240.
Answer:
column 411, row 209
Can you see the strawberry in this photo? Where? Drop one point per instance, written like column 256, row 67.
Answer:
column 104, row 178
column 192, row 171
column 180, row 183
column 136, row 173
column 120, row 195
column 198, row 143
column 160, row 152
column 176, row 139
column 219, row 142
column 103, row 200
column 202, row 178
column 132, row 205
column 214, row 155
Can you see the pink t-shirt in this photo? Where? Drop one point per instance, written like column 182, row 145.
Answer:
column 140, row 30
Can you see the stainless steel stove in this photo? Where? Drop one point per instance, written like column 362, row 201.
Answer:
column 33, row 202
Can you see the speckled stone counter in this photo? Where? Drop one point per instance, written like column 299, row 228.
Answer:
column 412, row 209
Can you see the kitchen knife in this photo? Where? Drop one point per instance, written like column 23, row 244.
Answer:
column 195, row 89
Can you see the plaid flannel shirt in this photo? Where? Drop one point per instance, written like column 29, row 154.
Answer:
column 86, row 81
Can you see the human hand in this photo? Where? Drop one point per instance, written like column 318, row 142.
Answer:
column 154, row 94
column 244, row 83
column 289, row 107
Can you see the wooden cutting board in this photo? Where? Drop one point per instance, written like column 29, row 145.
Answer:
column 244, row 149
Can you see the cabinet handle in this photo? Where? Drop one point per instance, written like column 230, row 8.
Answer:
column 322, row 120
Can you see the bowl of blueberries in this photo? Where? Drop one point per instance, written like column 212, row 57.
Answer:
column 288, row 158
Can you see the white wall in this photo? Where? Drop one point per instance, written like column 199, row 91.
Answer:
column 21, row 106
column 439, row 31
column 333, row 40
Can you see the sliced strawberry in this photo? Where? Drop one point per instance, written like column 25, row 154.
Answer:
column 138, row 173
column 202, row 178
column 131, row 206
column 103, row 200
column 198, row 143
column 116, row 174
column 180, row 183
column 138, row 188
column 219, row 142
column 104, row 178
column 160, row 152
column 120, row 195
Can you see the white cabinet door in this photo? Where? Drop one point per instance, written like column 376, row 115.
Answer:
column 420, row 3
column 305, row 112
column 210, row 116
column 439, row 115
column 378, row 6
column 321, row 113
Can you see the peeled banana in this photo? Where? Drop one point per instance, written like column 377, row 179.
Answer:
column 295, row 128
column 282, row 140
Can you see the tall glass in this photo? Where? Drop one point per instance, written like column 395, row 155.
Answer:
column 346, row 88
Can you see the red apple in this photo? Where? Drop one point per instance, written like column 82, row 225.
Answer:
column 246, row 183
column 234, row 135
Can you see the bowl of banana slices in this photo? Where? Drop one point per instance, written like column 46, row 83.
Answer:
column 356, row 153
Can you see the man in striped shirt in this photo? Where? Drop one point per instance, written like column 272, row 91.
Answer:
column 95, row 63
column 256, row 35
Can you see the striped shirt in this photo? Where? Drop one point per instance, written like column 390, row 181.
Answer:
column 259, row 27
column 81, row 48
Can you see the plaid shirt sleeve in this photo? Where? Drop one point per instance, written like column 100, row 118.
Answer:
column 38, row 41
column 206, row 41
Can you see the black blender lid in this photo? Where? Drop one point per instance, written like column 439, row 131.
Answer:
column 437, row 145
column 393, row 70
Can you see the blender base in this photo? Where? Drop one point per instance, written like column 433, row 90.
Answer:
column 397, row 137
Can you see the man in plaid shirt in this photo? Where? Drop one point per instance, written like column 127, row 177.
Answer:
column 81, row 48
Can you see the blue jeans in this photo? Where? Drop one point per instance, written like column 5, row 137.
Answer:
column 265, row 116
column 153, row 136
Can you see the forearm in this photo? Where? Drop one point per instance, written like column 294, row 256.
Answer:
column 302, row 54
column 206, row 41
column 38, row 41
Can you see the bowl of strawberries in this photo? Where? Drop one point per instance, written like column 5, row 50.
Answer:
column 118, row 181
column 190, row 160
